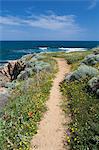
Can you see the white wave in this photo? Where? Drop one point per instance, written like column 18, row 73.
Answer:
column 72, row 49
column 63, row 48
column 43, row 48
column 76, row 49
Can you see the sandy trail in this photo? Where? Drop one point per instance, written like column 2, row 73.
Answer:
column 51, row 131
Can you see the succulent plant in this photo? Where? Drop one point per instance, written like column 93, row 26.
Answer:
column 91, row 59
column 11, row 85
column 96, row 50
column 94, row 84
column 83, row 71
column 40, row 65
column 23, row 75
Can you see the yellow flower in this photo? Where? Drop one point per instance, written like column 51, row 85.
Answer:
column 25, row 143
column 20, row 143
column 67, row 138
column 72, row 129
column 75, row 139
column 68, row 141
column 76, row 129
column 75, row 111
column 26, row 133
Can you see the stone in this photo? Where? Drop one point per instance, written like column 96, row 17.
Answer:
column 12, row 70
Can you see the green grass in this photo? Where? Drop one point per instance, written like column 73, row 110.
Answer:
column 20, row 117
column 73, row 58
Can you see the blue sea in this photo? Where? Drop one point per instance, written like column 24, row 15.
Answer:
column 11, row 50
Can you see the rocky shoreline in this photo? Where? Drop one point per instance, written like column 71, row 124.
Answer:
column 8, row 73
column 19, row 70
column 15, row 71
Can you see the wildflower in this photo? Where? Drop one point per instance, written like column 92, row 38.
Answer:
column 72, row 129
column 75, row 139
column 20, row 143
column 68, row 141
column 30, row 114
column 67, row 137
column 26, row 133
column 68, row 132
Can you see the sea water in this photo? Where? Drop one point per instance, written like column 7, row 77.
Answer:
column 11, row 50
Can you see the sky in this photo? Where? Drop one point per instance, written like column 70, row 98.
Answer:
column 49, row 20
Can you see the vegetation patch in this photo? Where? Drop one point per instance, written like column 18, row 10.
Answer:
column 20, row 117
column 83, row 131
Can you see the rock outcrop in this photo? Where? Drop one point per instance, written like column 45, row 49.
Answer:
column 10, row 71
column 15, row 71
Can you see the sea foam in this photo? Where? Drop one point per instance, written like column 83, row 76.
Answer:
column 72, row 49
column 43, row 48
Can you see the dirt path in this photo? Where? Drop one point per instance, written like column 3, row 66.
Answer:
column 51, row 131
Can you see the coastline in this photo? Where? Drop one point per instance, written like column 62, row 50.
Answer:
column 43, row 50
column 31, row 88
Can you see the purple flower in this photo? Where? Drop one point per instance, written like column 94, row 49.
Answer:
column 68, row 132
